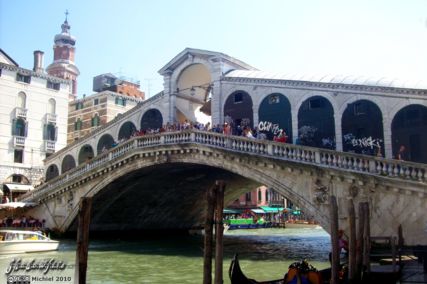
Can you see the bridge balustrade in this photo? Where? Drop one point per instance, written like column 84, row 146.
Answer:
column 315, row 156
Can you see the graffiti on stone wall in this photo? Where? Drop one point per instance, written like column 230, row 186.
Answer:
column 269, row 126
column 364, row 142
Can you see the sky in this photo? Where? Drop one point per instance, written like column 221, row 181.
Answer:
column 136, row 38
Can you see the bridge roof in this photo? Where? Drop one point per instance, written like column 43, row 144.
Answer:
column 334, row 79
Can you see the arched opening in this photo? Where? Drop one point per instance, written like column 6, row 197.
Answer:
column 68, row 163
column 275, row 116
column 152, row 119
column 409, row 129
column 316, row 126
column 22, row 100
column 193, row 91
column 105, row 142
column 52, row 172
column 362, row 128
column 51, row 106
column 126, row 130
column 238, row 111
column 85, row 154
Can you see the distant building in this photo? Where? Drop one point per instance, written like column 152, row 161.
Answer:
column 262, row 196
column 33, row 116
column 89, row 113
column 63, row 65
column 123, row 86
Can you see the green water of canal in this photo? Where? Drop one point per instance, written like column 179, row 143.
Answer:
column 264, row 254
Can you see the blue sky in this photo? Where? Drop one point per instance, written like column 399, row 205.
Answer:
column 136, row 38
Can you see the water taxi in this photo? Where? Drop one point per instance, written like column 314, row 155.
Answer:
column 23, row 241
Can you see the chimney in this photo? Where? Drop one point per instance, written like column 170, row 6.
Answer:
column 38, row 61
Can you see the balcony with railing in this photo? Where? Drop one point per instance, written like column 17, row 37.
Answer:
column 21, row 112
column 19, row 141
column 50, row 118
column 49, row 146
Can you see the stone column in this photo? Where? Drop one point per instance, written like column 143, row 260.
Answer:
column 294, row 115
column 388, row 147
column 338, row 132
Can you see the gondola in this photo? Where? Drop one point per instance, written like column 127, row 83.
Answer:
column 311, row 275
column 237, row 276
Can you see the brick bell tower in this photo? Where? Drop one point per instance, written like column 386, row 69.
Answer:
column 63, row 65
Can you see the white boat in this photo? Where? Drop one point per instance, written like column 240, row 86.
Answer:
column 21, row 241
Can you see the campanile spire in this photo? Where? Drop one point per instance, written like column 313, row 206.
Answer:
column 63, row 65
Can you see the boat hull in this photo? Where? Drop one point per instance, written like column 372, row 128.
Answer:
column 12, row 247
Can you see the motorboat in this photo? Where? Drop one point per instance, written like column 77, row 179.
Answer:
column 23, row 241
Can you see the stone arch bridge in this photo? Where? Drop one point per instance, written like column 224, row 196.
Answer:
column 159, row 182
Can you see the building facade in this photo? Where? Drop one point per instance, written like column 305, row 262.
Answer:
column 33, row 121
column 63, row 65
column 123, row 86
column 88, row 113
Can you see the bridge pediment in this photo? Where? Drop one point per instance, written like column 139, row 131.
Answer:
column 189, row 55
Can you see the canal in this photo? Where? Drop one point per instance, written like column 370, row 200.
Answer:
column 264, row 254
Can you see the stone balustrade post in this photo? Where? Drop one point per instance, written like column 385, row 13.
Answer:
column 162, row 139
column 317, row 157
column 270, row 149
column 193, row 137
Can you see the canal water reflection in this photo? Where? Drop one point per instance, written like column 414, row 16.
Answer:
column 264, row 254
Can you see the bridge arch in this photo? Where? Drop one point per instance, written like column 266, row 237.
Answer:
column 409, row 128
column 316, row 123
column 152, row 119
column 362, row 128
column 105, row 142
column 275, row 109
column 51, row 172
column 292, row 184
column 86, row 153
column 68, row 163
column 238, row 109
column 126, row 130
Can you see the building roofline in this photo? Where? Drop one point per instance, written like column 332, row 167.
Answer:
column 24, row 71
column 8, row 57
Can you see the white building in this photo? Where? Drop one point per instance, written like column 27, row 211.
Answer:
column 33, row 121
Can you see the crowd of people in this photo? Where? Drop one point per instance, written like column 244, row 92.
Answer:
column 225, row 128
column 22, row 222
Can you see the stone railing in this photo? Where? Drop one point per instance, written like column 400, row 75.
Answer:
column 302, row 154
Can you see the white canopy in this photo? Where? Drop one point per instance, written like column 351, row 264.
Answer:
column 17, row 187
column 13, row 205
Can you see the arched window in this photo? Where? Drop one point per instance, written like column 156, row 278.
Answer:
column 19, row 127
column 78, row 124
column 95, row 120
column 51, row 106
column 50, row 132
column 22, row 100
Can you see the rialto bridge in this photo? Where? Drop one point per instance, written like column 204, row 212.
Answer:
column 159, row 181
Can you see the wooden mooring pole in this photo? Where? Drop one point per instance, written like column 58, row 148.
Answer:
column 219, row 231
column 366, row 237
column 335, row 256
column 82, row 240
column 352, row 267
column 207, row 252
column 360, row 241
